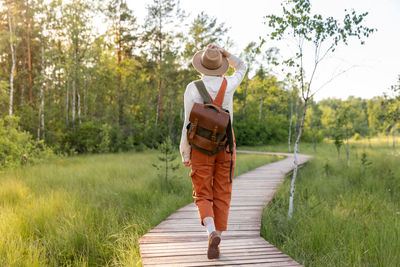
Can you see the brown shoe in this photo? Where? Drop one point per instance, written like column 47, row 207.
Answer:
column 213, row 242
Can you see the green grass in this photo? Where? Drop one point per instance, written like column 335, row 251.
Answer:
column 89, row 210
column 342, row 216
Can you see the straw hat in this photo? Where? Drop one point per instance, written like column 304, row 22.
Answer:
column 210, row 62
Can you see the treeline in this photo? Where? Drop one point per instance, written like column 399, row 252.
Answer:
column 85, row 76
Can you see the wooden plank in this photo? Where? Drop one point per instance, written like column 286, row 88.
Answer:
column 264, row 264
column 180, row 228
column 225, row 248
column 200, row 251
column 202, row 260
column 226, row 252
column 180, row 240
column 197, row 243
column 172, row 239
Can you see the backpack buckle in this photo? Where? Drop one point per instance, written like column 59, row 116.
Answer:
column 214, row 135
column 193, row 130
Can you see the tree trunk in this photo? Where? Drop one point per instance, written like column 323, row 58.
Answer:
column 29, row 53
column 160, row 57
column 347, row 148
column 10, row 112
column 120, row 97
column 159, row 103
column 290, row 126
column 296, row 116
column 73, row 98
column 22, row 94
column 148, row 107
column 79, row 103
column 260, row 112
column 41, row 133
column 67, row 104
column 292, row 186
column 59, row 83
column 394, row 138
column 85, row 98
column 171, row 115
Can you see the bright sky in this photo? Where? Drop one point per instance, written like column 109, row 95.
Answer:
column 372, row 68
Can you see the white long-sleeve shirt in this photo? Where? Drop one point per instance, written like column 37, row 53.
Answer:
column 212, row 84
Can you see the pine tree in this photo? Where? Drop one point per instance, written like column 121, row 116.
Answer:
column 167, row 167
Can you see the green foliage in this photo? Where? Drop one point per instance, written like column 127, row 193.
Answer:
column 18, row 148
column 343, row 216
column 83, row 137
column 258, row 133
column 203, row 31
column 89, row 210
column 364, row 160
column 99, row 137
column 338, row 141
column 298, row 20
column 105, row 140
column 109, row 81
column 357, row 136
column 167, row 167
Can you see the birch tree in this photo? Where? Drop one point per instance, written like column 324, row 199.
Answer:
column 42, row 14
column 393, row 111
column 293, row 95
column 324, row 35
column 77, row 16
column 13, row 57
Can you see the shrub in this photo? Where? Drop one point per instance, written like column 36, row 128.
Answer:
column 83, row 137
column 17, row 147
column 258, row 133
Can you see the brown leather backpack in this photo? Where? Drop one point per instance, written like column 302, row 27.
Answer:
column 210, row 128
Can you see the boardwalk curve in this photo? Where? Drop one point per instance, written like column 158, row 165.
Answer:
column 180, row 240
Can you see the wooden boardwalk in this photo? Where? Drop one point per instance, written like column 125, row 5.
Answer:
column 180, row 240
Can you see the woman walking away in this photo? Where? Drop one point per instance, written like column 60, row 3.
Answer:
column 210, row 152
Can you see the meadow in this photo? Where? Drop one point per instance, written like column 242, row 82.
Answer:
column 343, row 216
column 89, row 210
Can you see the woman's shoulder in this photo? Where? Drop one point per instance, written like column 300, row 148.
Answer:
column 190, row 89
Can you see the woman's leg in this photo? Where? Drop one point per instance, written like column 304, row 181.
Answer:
column 222, row 188
column 201, row 174
column 209, row 224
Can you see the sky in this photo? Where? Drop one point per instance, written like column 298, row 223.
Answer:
column 360, row 70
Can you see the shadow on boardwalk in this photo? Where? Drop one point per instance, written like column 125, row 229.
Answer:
column 180, row 240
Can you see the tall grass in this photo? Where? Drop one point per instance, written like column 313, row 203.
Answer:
column 89, row 210
column 342, row 216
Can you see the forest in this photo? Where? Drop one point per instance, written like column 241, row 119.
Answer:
column 92, row 97
column 85, row 77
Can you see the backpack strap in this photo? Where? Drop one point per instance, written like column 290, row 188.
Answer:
column 203, row 92
column 219, row 99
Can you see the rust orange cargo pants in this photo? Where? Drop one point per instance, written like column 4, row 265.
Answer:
column 211, row 187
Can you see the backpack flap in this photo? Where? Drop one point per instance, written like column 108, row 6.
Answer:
column 209, row 116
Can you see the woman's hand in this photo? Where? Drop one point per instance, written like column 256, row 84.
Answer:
column 187, row 164
column 223, row 51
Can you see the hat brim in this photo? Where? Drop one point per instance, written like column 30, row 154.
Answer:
column 196, row 62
